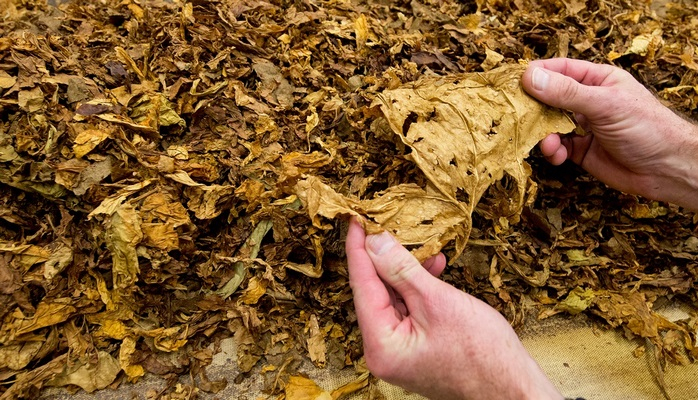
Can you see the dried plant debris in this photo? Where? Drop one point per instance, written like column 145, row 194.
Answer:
column 465, row 132
column 168, row 170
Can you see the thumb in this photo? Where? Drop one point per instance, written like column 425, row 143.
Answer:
column 558, row 90
column 399, row 269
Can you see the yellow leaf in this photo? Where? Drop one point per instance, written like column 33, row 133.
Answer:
column 300, row 388
column 136, row 10
column 26, row 254
column 206, row 201
column 466, row 132
column 178, row 152
column 255, row 290
column 87, row 140
column 312, row 121
column 109, row 205
column 645, row 44
column 160, row 235
column 48, row 313
column 19, row 355
column 576, row 301
column 169, row 339
column 122, row 235
column 128, row 347
column 317, row 348
column 351, row 387
column 89, row 375
column 114, row 329
column 31, row 100
column 613, row 55
column 6, row 80
column 361, row 31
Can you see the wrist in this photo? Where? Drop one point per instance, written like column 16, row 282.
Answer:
column 682, row 170
column 538, row 386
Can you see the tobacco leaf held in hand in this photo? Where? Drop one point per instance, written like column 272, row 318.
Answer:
column 465, row 132
column 152, row 154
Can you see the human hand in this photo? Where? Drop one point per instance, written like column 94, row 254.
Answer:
column 634, row 143
column 428, row 337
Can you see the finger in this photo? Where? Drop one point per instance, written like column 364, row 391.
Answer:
column 550, row 145
column 559, row 157
column 576, row 148
column 399, row 269
column 372, row 300
column 583, row 121
column 436, row 264
column 584, row 72
column 560, row 90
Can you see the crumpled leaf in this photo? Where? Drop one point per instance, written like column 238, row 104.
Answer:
column 31, row 100
column 576, row 301
column 48, row 313
column 88, row 140
column 207, row 201
column 132, row 370
column 646, row 43
column 317, row 347
column 273, row 87
column 89, row 376
column 466, row 132
column 7, row 80
column 19, row 355
column 26, row 254
column 109, row 205
column 248, row 251
column 301, row 388
column 61, row 257
column 155, row 111
column 123, row 234
column 168, row 339
column 354, row 386
column 255, row 290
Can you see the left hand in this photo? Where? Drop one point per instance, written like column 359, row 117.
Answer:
column 428, row 337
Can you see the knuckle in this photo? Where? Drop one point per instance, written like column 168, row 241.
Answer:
column 402, row 266
column 569, row 89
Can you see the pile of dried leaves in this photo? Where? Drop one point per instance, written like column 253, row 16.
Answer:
column 159, row 161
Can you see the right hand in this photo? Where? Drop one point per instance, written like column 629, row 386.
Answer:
column 427, row 336
column 634, row 143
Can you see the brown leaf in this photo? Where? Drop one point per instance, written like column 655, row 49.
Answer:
column 88, row 375
column 122, row 235
column 466, row 132
column 300, row 388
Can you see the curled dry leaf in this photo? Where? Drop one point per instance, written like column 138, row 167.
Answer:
column 465, row 133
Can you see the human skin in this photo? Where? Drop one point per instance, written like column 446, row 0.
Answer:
column 428, row 337
column 634, row 143
column 431, row 338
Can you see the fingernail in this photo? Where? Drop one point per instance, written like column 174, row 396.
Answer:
column 380, row 243
column 540, row 79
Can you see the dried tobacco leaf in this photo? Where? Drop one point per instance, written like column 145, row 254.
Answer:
column 88, row 375
column 466, row 132
column 215, row 109
column 576, row 301
column 300, row 388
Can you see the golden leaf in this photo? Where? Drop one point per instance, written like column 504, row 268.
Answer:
column 48, row 313
column 300, row 388
column 123, row 234
column 466, row 132
column 87, row 140
column 255, row 290
column 128, row 347
column 89, row 376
